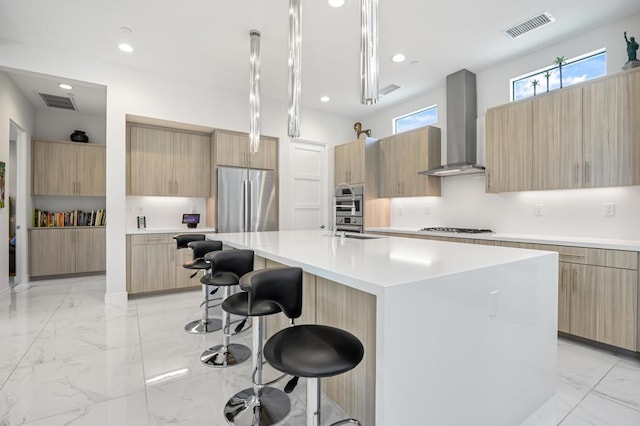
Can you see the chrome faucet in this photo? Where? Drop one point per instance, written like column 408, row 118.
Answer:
column 335, row 205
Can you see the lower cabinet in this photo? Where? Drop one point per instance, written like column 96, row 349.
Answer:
column 61, row 251
column 154, row 264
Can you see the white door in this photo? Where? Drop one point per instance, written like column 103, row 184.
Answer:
column 309, row 165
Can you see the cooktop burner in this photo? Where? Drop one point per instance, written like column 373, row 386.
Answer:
column 458, row 230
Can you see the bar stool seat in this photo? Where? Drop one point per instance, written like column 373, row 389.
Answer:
column 238, row 304
column 313, row 351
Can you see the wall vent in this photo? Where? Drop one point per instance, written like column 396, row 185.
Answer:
column 55, row 101
column 388, row 89
column 536, row 22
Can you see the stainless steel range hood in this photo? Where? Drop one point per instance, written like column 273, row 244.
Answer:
column 461, row 127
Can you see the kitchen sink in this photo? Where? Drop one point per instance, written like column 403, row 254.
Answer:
column 361, row 237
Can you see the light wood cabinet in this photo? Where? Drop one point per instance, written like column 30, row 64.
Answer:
column 61, row 251
column 350, row 163
column 611, row 154
column 402, row 156
column 557, row 140
column 584, row 136
column 617, row 308
column 68, row 168
column 232, row 149
column 584, row 281
column 151, row 263
column 166, row 162
column 509, row 148
column 354, row 311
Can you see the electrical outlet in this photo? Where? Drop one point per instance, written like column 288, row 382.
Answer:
column 537, row 210
column 493, row 303
column 193, row 209
column 609, row 209
column 401, row 211
column 427, row 210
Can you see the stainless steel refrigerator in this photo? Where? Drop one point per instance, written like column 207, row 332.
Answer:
column 246, row 200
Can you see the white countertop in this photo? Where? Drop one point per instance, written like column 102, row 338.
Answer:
column 178, row 230
column 375, row 264
column 602, row 243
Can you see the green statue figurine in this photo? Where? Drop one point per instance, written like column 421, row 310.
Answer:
column 632, row 48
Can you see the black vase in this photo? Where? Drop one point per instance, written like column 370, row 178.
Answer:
column 79, row 136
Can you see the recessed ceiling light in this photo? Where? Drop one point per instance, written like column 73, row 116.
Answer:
column 325, row 99
column 65, row 86
column 336, row 3
column 125, row 47
column 125, row 40
column 398, row 57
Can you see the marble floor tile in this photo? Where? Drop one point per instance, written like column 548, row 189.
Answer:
column 583, row 367
column 57, row 343
column 43, row 390
column 595, row 410
column 12, row 350
column 622, row 384
column 128, row 410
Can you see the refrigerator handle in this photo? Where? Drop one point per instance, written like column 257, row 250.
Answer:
column 245, row 204
column 249, row 194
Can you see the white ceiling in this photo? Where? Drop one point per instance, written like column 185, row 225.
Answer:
column 208, row 40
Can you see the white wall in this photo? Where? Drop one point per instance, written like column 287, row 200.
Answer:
column 58, row 124
column 464, row 202
column 13, row 107
column 144, row 94
column 164, row 212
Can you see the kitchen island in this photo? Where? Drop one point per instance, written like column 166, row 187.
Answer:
column 454, row 334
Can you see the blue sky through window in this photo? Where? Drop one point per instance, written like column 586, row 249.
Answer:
column 416, row 119
column 573, row 71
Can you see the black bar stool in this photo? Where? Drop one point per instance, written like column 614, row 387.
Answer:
column 260, row 405
column 200, row 248
column 311, row 351
column 227, row 267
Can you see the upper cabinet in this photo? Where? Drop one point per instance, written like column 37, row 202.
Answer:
column 612, row 131
column 402, row 156
column 557, row 140
column 68, row 168
column 167, row 162
column 232, row 149
column 509, row 135
column 583, row 136
column 350, row 163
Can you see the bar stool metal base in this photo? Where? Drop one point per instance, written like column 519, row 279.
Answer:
column 217, row 356
column 203, row 327
column 244, row 409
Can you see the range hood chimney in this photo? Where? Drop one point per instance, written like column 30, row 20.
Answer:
column 461, row 127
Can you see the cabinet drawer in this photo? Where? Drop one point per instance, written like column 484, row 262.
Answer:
column 139, row 240
column 613, row 258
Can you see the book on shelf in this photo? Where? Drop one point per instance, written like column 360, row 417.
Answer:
column 45, row 219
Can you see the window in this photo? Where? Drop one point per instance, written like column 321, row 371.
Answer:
column 416, row 119
column 574, row 71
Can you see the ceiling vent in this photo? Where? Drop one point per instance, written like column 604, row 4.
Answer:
column 530, row 25
column 55, row 101
column 388, row 89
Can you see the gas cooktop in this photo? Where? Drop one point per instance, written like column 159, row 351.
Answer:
column 458, row 230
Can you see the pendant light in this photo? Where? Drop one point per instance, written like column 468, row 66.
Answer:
column 369, row 52
column 295, row 66
column 254, row 92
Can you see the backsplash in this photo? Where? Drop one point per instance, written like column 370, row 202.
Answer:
column 164, row 212
column 578, row 213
